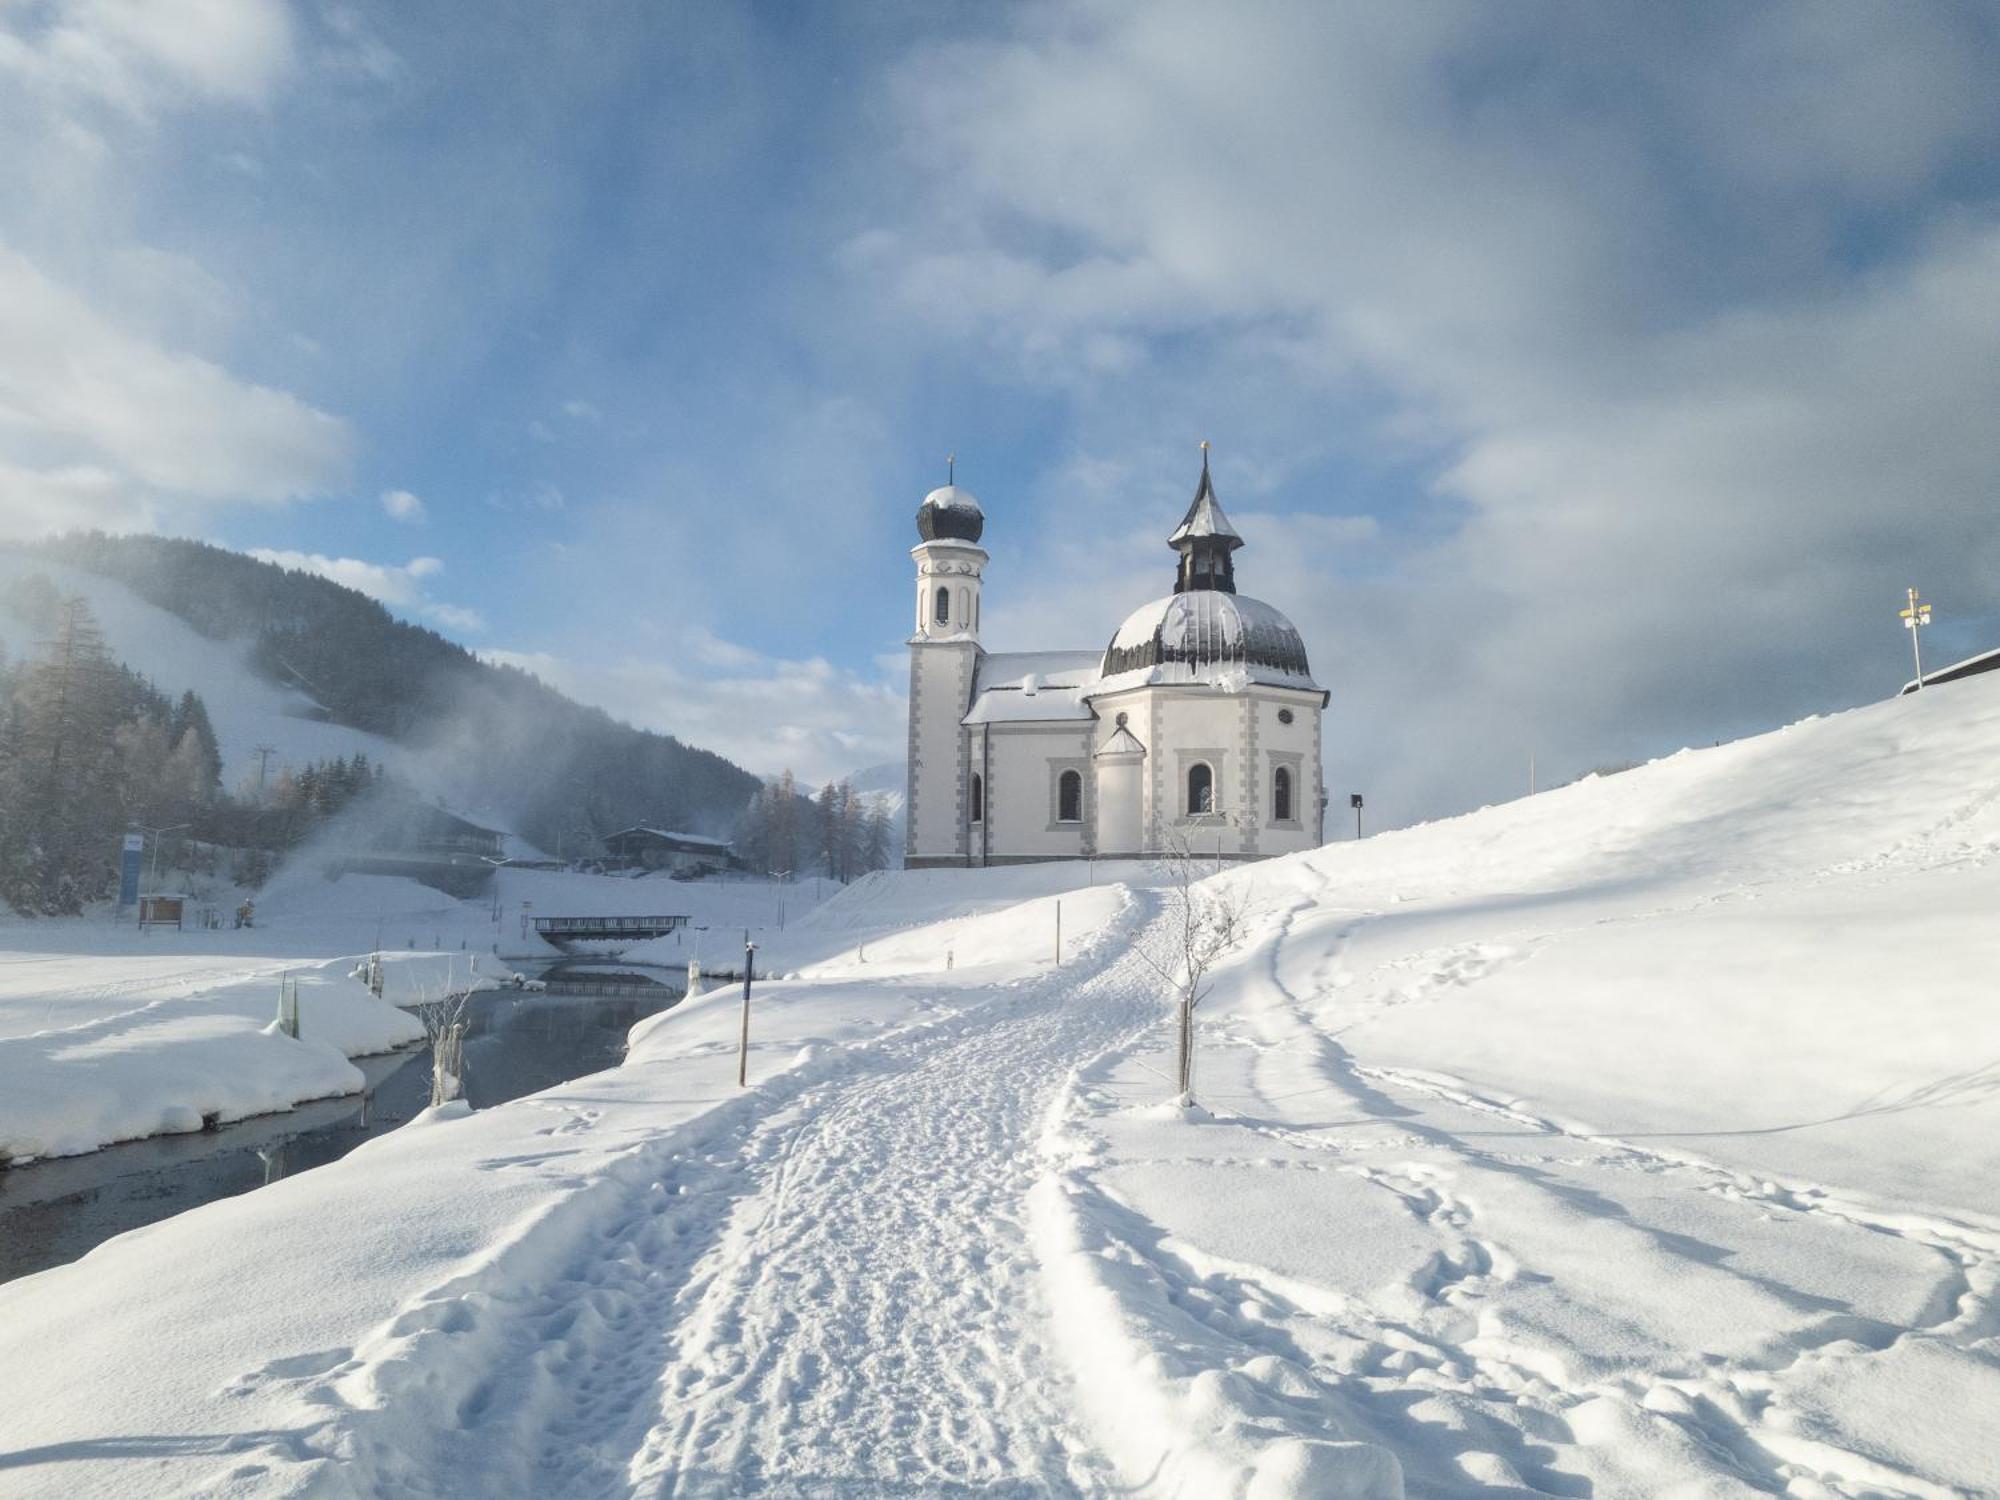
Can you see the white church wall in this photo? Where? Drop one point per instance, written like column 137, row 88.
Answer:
column 940, row 686
column 1240, row 737
column 1295, row 746
column 1026, row 760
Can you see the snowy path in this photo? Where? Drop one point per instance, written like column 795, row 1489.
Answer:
column 824, row 1284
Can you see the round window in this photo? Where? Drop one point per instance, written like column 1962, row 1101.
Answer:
column 1123, row 717
column 1284, row 716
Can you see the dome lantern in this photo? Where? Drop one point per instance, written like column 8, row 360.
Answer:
column 1205, row 540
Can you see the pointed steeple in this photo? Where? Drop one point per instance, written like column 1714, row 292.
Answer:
column 1205, row 540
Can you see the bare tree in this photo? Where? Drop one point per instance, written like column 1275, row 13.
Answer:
column 446, row 1013
column 1200, row 925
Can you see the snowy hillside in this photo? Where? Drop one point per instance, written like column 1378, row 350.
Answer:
column 1633, row 1140
column 246, row 710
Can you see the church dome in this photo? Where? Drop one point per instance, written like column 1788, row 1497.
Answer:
column 950, row 514
column 1208, row 634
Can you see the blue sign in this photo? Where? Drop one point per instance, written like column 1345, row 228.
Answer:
column 128, row 868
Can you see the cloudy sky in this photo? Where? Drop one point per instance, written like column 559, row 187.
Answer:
column 1589, row 380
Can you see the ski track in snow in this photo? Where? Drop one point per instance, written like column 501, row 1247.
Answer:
column 822, row 1286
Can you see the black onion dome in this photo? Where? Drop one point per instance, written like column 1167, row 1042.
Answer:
column 1210, row 632
column 950, row 514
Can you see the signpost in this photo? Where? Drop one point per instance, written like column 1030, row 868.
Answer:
column 129, row 860
column 743, row 1045
column 1354, row 801
column 1915, row 616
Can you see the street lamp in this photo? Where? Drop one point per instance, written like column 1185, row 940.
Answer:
column 1915, row 616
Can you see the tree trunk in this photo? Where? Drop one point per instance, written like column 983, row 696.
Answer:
column 1184, row 1071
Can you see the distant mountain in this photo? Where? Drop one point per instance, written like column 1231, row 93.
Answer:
column 312, row 668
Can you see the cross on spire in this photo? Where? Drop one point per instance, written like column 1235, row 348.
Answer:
column 951, row 468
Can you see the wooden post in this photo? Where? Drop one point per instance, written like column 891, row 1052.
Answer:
column 743, row 1044
column 1058, row 932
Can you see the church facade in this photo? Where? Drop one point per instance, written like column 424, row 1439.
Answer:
column 1198, row 724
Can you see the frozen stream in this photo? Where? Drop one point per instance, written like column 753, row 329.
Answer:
column 56, row 1211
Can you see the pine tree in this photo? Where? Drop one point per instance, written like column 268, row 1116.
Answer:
column 190, row 716
column 62, row 773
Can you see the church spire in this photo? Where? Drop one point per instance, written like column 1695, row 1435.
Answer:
column 1205, row 540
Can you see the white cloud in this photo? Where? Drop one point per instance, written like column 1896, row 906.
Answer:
column 149, row 427
column 135, row 55
column 456, row 617
column 401, row 505
column 768, row 714
column 400, row 586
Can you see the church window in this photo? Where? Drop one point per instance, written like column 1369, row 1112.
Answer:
column 943, row 606
column 1281, row 794
column 1200, row 788
column 978, row 800
column 1069, row 797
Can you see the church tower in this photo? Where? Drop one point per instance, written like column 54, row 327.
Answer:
column 944, row 799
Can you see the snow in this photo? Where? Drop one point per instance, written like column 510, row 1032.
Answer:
column 951, row 497
column 1033, row 686
column 245, row 710
column 108, row 1034
column 1640, row 1138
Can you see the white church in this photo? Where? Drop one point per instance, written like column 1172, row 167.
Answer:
column 1199, row 722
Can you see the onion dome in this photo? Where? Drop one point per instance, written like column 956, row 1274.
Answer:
column 950, row 514
column 1209, row 634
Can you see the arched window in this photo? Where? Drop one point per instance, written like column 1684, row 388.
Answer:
column 965, row 607
column 943, row 611
column 1069, row 797
column 978, row 800
column 1281, row 794
column 1200, row 788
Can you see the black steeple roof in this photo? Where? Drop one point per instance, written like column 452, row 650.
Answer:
column 1205, row 540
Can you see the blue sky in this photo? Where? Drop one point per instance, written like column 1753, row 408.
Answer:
column 1588, row 380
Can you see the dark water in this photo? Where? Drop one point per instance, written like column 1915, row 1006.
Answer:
column 53, row 1212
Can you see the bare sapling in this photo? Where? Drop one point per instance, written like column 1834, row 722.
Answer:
column 1200, row 924
column 446, row 1011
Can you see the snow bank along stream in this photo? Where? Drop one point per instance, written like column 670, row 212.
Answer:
column 54, row 1211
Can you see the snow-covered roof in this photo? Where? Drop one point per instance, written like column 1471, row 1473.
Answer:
column 1030, row 686
column 1121, row 742
column 1972, row 666
column 952, row 496
column 1206, row 636
column 1204, row 517
column 700, row 839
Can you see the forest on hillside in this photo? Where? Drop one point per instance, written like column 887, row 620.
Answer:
column 566, row 774
column 90, row 750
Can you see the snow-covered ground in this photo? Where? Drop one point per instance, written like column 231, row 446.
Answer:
column 246, row 710
column 1637, row 1139
column 108, row 1034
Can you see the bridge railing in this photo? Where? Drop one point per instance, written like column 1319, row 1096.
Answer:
column 618, row 926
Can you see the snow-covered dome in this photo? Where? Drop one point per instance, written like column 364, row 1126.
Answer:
column 1211, row 634
column 950, row 513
